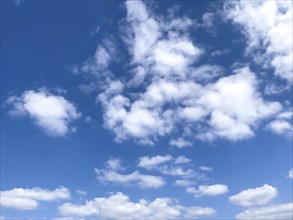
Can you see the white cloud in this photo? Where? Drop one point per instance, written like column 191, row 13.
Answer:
column 114, row 164
column 286, row 115
column 283, row 211
column 52, row 113
column 98, row 64
column 180, row 143
column 119, row 206
column 177, row 97
column 197, row 211
column 167, row 165
column 208, row 190
column 268, row 28
column 290, row 173
column 280, row 126
column 152, row 162
column 182, row 159
column 205, row 168
column 217, row 53
column 236, row 106
column 28, row 199
column 111, row 175
column 254, row 196
column 184, row 183
column 136, row 178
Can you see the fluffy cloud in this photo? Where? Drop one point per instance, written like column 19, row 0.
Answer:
column 282, row 124
column 180, row 168
column 208, row 190
column 166, row 92
column 136, row 178
column 290, row 173
column 282, row 211
column 255, row 196
column 119, row 206
column 235, row 106
column 180, row 142
column 182, row 159
column 111, row 175
column 168, row 165
column 268, row 28
column 52, row 113
column 152, row 162
column 28, row 199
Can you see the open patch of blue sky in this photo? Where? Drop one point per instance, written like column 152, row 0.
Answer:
column 146, row 109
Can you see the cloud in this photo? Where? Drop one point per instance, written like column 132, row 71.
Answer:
column 205, row 168
column 218, row 53
column 111, row 175
column 254, row 196
column 184, row 183
column 114, row 164
column 168, row 165
column 235, row 106
column 104, row 56
column 267, row 26
column 290, row 173
column 280, row 127
column 52, row 113
column 28, row 199
column 208, row 190
column 152, row 162
column 119, row 206
column 180, row 142
column 163, row 63
column 136, row 178
column 182, row 159
column 282, row 211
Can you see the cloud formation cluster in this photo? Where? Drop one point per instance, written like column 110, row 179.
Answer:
column 267, row 26
column 167, row 92
column 176, row 167
column 28, row 199
column 119, row 206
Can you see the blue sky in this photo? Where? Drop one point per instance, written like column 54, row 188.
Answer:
column 146, row 109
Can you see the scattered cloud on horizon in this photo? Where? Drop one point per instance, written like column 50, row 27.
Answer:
column 28, row 199
column 255, row 196
column 160, row 208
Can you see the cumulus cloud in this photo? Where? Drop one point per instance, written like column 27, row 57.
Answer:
column 168, row 165
column 267, row 26
column 180, row 168
column 111, row 174
column 152, row 162
column 52, row 113
column 28, row 199
column 281, row 211
column 208, row 190
column 182, row 159
column 177, row 97
column 180, row 142
column 119, row 206
column 290, row 173
column 254, row 196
